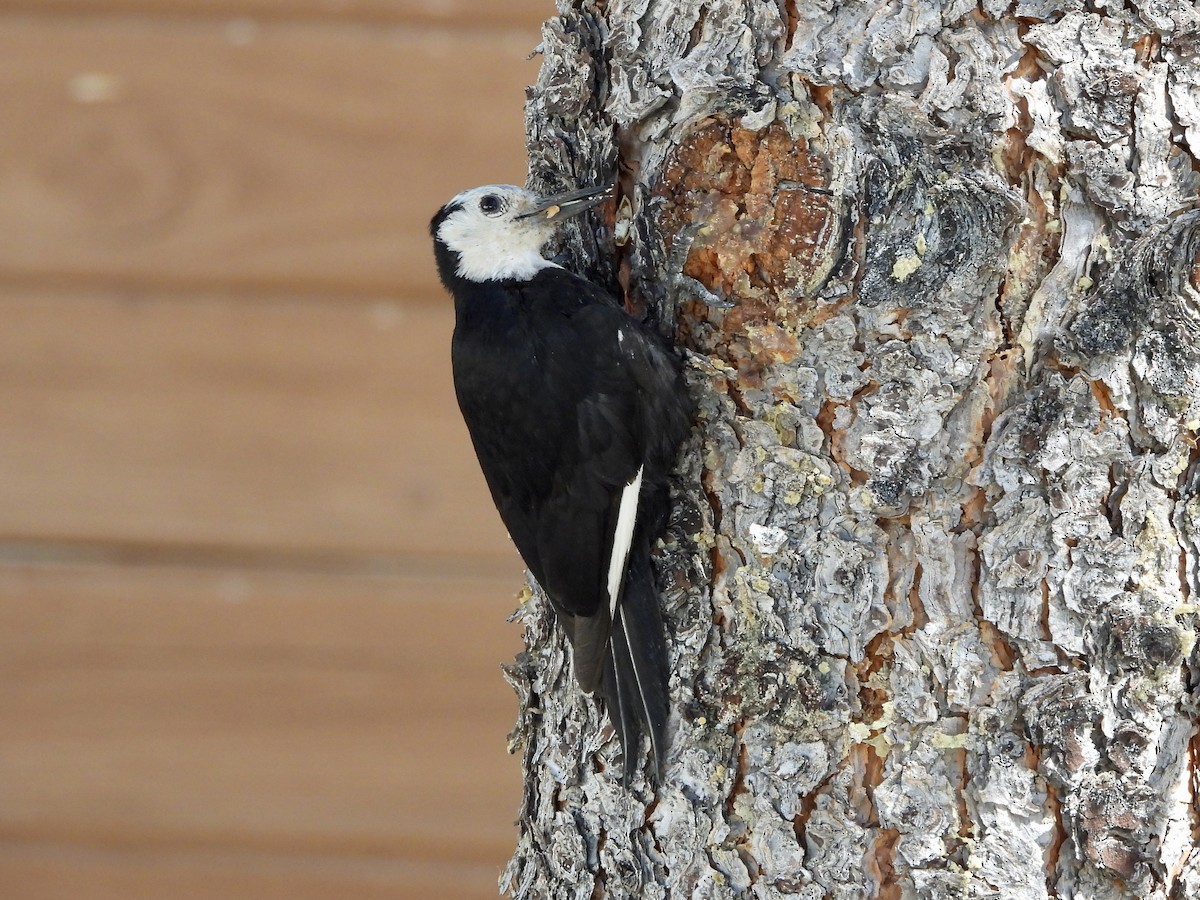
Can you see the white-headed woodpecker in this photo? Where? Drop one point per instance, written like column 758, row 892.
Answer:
column 576, row 410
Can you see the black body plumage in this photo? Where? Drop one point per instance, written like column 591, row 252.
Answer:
column 576, row 411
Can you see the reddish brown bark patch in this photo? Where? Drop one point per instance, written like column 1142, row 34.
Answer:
column 768, row 234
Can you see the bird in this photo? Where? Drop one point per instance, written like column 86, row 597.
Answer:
column 577, row 411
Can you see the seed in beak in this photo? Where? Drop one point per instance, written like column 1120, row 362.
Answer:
column 552, row 211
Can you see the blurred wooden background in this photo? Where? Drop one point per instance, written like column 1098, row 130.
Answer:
column 252, row 592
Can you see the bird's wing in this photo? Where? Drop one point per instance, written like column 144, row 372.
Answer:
column 568, row 416
column 592, row 497
column 629, row 420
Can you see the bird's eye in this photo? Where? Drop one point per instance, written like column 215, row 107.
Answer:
column 491, row 205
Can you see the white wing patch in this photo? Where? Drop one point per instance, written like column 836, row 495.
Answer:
column 623, row 539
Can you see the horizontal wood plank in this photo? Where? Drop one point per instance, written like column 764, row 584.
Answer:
column 276, row 158
column 321, row 429
column 161, row 721
column 54, row 872
column 526, row 14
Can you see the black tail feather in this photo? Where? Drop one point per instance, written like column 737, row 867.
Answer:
column 635, row 673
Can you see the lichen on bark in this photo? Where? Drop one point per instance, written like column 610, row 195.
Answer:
column 931, row 581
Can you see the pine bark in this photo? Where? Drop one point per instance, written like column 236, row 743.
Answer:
column 932, row 580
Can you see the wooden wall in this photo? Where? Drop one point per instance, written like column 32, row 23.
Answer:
column 252, row 591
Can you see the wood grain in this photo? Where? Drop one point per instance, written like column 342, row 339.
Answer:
column 524, row 14
column 188, row 154
column 327, row 430
column 271, row 728
column 57, row 872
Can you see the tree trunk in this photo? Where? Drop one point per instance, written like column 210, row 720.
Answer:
column 931, row 583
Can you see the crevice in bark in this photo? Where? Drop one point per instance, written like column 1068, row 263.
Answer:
column 808, row 803
column 793, row 19
column 738, row 786
column 1044, row 619
column 880, row 864
column 835, row 436
column 966, row 825
column 872, row 695
column 1110, row 501
column 600, row 876
column 1194, row 778
column 1148, row 47
column 712, row 496
column 1003, row 655
column 697, row 31
column 1058, row 839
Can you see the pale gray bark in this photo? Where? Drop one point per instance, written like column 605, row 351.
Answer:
column 933, row 581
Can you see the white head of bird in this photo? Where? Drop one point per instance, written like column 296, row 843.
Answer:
column 497, row 231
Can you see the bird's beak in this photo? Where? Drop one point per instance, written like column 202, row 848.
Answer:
column 563, row 206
